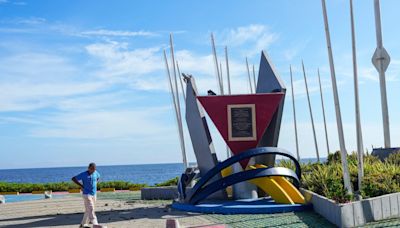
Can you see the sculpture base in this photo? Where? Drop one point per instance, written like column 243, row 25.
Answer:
column 245, row 206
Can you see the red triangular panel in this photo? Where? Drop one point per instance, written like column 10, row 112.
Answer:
column 265, row 107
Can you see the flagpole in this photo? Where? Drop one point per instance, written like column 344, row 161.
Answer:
column 222, row 77
column 343, row 151
column 180, row 80
column 311, row 114
column 323, row 113
column 221, row 89
column 248, row 74
column 227, row 70
column 254, row 79
column 228, row 151
column 294, row 116
column 178, row 106
column 381, row 60
column 360, row 150
column 175, row 108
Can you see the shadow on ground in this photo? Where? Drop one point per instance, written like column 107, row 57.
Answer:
column 104, row 217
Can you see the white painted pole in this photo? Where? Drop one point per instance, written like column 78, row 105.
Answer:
column 311, row 114
column 323, row 113
column 381, row 60
column 227, row 70
column 343, row 151
column 294, row 117
column 221, row 89
column 222, row 77
column 178, row 106
column 360, row 147
column 254, row 79
column 180, row 80
column 248, row 74
column 228, row 151
column 175, row 108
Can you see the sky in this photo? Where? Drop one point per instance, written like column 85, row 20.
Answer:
column 84, row 81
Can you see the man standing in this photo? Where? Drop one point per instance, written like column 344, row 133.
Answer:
column 89, row 181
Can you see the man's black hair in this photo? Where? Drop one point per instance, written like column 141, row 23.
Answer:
column 92, row 164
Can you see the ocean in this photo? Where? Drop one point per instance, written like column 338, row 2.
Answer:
column 142, row 174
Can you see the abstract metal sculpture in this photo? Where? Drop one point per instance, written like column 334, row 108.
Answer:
column 270, row 82
column 245, row 122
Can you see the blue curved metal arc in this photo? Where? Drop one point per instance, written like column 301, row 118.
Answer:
column 182, row 186
column 244, row 155
column 240, row 177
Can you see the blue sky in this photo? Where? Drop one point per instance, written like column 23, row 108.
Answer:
column 84, row 81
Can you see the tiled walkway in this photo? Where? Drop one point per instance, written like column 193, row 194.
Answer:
column 298, row 219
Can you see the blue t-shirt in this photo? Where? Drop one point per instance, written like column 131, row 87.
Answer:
column 89, row 182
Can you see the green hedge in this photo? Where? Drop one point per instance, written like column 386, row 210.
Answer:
column 64, row 186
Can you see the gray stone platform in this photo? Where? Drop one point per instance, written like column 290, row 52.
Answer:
column 356, row 213
column 159, row 193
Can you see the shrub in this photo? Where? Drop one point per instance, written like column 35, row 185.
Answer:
column 394, row 159
column 120, row 185
column 327, row 179
column 64, row 186
column 171, row 182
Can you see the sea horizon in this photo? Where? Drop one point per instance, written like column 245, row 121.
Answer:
column 302, row 160
column 149, row 174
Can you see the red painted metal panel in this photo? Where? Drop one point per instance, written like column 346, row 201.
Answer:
column 217, row 108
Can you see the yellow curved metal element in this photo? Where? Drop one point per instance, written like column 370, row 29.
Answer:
column 273, row 189
column 224, row 173
column 291, row 190
column 227, row 171
column 279, row 188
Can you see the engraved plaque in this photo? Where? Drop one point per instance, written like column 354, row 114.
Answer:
column 242, row 122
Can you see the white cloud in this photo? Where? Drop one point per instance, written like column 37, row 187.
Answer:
column 202, row 67
column 19, row 120
column 30, row 96
column 36, row 80
column 36, row 67
column 95, row 102
column 120, row 124
column 29, row 21
column 295, row 49
column 253, row 38
column 17, row 30
column 20, row 3
column 118, row 61
column 105, row 32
